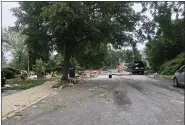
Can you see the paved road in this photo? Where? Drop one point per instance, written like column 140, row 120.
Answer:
column 122, row 100
column 5, row 92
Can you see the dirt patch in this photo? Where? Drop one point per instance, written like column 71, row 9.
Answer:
column 121, row 98
column 137, row 87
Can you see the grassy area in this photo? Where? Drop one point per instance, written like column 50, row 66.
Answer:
column 168, row 77
column 20, row 84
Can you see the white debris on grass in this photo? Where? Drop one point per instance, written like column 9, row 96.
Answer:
column 32, row 77
column 48, row 76
column 8, row 85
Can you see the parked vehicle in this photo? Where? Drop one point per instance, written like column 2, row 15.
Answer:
column 179, row 77
column 3, row 79
column 138, row 67
column 128, row 67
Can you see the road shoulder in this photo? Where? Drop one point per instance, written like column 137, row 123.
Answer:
column 21, row 100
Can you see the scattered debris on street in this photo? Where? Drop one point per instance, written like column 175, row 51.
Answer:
column 121, row 70
column 102, row 95
column 82, row 75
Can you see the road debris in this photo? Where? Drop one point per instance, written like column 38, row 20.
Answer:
column 81, row 76
column 18, row 115
column 116, row 91
column 122, row 70
column 63, row 86
column 71, row 85
column 34, row 106
column 102, row 95
column 91, row 89
column 18, row 105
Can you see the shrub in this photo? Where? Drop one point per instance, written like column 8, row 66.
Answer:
column 169, row 67
column 39, row 68
column 8, row 73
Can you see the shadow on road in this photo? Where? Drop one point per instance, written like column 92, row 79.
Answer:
column 5, row 92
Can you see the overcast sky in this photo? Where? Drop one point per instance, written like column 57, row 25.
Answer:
column 7, row 16
column 8, row 19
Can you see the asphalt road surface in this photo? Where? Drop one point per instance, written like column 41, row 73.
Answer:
column 5, row 92
column 122, row 100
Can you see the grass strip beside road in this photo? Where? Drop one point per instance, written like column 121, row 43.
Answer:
column 20, row 84
column 168, row 77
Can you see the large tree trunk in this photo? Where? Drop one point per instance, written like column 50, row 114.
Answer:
column 66, row 65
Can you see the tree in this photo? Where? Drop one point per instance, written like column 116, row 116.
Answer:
column 15, row 45
column 63, row 26
column 170, row 36
column 54, row 61
column 128, row 56
column 40, row 68
column 6, row 44
column 92, row 58
column 28, row 20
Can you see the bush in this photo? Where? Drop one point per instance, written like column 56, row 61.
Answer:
column 39, row 68
column 19, row 84
column 8, row 73
column 169, row 67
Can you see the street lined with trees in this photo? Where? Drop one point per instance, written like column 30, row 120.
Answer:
column 99, row 40
column 84, row 31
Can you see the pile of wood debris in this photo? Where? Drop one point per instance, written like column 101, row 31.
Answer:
column 121, row 70
column 83, row 75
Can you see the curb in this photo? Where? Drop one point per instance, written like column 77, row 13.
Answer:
column 20, row 109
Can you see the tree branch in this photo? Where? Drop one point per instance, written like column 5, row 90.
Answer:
column 6, row 41
column 77, row 43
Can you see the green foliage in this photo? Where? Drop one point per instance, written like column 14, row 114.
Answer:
column 59, row 59
column 17, row 46
column 54, row 62
column 160, row 50
column 169, row 67
column 51, row 64
column 113, row 58
column 168, row 77
column 138, row 56
column 19, row 84
column 169, row 38
column 92, row 58
column 63, row 26
column 39, row 66
column 127, row 56
column 10, row 72
column 20, row 60
column 104, row 57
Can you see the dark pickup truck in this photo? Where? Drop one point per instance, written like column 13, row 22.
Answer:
column 138, row 67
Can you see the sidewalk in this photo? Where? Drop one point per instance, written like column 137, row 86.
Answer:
column 20, row 100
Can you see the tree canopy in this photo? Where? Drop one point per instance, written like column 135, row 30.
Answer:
column 63, row 26
column 83, row 30
column 170, row 36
